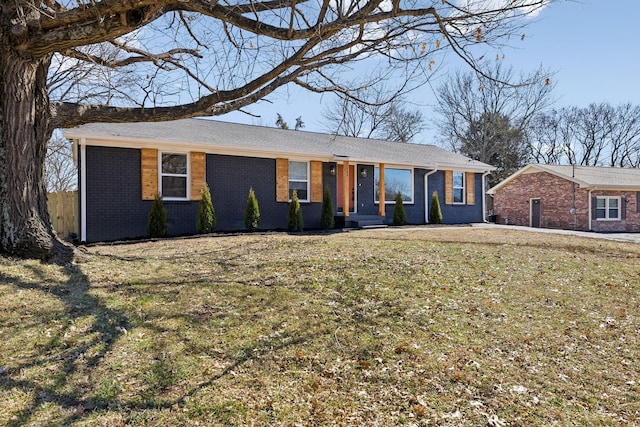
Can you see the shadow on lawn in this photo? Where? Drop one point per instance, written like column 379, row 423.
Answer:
column 66, row 366
column 67, row 356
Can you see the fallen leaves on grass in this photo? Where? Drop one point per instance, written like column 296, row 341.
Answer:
column 434, row 327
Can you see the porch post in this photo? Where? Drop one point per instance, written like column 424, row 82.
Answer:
column 346, row 197
column 381, row 205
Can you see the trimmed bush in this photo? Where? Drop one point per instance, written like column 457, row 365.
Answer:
column 206, row 219
column 435, row 214
column 252, row 212
column 294, row 222
column 399, row 215
column 157, row 222
column 327, row 219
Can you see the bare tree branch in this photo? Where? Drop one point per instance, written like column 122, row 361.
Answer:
column 143, row 57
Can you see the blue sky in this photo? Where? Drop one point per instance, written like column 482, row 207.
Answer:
column 593, row 46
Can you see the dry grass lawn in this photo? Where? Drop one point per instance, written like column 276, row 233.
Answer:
column 435, row 326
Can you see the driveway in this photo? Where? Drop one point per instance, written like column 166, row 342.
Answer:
column 620, row 237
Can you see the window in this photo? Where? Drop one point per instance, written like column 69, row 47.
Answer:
column 174, row 176
column 395, row 180
column 608, row 208
column 299, row 180
column 458, row 188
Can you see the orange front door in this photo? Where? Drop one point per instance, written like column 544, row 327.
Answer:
column 351, row 187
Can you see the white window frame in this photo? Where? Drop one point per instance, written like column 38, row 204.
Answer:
column 376, row 173
column 187, row 176
column 606, row 208
column 307, row 181
column 463, row 188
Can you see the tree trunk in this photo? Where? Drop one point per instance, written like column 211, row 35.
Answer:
column 25, row 128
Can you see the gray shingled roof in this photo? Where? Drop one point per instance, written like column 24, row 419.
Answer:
column 585, row 176
column 214, row 135
column 598, row 176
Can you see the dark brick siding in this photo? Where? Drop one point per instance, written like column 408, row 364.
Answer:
column 456, row 214
column 115, row 209
column 230, row 178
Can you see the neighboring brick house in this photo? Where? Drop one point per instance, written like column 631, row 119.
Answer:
column 569, row 197
column 122, row 167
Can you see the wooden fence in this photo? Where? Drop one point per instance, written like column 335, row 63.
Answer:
column 63, row 210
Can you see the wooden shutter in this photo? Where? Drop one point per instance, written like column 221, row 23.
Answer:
column 282, row 180
column 149, row 169
column 470, row 182
column 448, row 187
column 316, row 181
column 198, row 174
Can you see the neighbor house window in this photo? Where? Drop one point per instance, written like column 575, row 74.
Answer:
column 608, row 208
column 396, row 181
column 174, row 176
column 458, row 187
column 299, row 180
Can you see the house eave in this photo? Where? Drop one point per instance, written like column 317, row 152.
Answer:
column 222, row 149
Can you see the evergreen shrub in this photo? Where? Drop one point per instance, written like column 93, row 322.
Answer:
column 435, row 213
column 157, row 221
column 327, row 219
column 399, row 215
column 252, row 212
column 206, row 219
column 294, row 222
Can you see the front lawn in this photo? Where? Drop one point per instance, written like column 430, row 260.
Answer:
column 435, row 326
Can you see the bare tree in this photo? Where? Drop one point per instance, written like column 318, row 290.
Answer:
column 545, row 138
column 401, row 124
column 348, row 117
column 61, row 172
column 382, row 117
column 200, row 58
column 597, row 135
column 487, row 116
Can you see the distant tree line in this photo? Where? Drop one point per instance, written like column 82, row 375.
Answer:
column 596, row 135
column 507, row 121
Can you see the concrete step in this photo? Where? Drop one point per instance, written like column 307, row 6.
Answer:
column 360, row 221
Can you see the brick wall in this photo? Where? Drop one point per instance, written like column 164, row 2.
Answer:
column 230, row 177
column 455, row 214
column 631, row 222
column 115, row 209
column 513, row 203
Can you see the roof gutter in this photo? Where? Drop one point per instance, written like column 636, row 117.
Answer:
column 426, row 193
column 590, row 208
column 484, row 195
column 83, row 189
